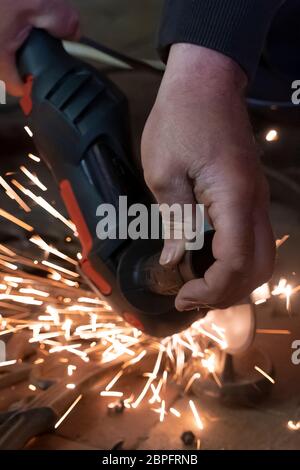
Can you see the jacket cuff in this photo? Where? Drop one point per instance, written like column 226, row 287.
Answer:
column 236, row 28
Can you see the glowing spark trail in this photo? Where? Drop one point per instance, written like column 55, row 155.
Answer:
column 197, row 418
column 33, row 178
column 29, row 131
column 15, row 220
column 44, row 204
column 34, row 157
column 13, row 195
column 62, row 419
column 293, row 426
column 175, row 412
column 111, row 394
column 7, row 363
column 262, row 372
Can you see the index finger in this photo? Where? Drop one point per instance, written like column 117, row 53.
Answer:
column 229, row 278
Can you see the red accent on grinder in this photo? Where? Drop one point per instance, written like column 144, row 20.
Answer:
column 85, row 238
column 133, row 320
column 94, row 276
column 26, row 100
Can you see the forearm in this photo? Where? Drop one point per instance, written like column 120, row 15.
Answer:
column 234, row 28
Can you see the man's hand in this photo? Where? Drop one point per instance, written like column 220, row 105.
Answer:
column 198, row 146
column 18, row 17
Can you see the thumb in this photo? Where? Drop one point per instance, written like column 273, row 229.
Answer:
column 172, row 194
column 58, row 18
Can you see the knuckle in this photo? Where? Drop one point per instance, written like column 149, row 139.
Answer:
column 156, row 180
column 240, row 264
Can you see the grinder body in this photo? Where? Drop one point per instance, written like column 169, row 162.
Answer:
column 79, row 121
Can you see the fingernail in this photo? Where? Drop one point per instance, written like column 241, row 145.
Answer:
column 186, row 307
column 166, row 256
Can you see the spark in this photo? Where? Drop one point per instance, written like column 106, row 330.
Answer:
column 39, row 361
column 55, row 276
column 7, row 251
column 21, row 299
column 71, row 386
column 13, row 195
column 165, row 377
column 162, row 411
column 43, row 337
column 284, row 289
column 209, row 362
column 217, row 380
column 54, row 314
column 94, row 322
column 282, row 240
column 33, row 178
column 293, row 426
column 280, row 288
column 262, row 372
column 15, row 220
column 150, row 380
column 8, row 363
column 11, row 266
column 61, row 348
column 127, row 402
column 60, row 268
column 197, row 418
column 220, row 331
column 156, row 391
column 114, row 381
column 261, row 294
column 67, row 328
column 88, row 300
column 29, row 131
column 70, row 283
column 111, row 394
column 194, row 377
column 32, row 387
column 175, row 412
column 180, row 358
column 135, row 360
column 62, row 419
column 272, row 332
column 37, row 240
column 34, row 292
column 221, row 342
column 44, row 204
column 272, row 135
column 288, row 293
column 34, row 157
column 17, row 280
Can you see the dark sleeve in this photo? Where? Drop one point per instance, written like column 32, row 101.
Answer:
column 236, row 28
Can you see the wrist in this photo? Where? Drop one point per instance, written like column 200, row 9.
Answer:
column 190, row 66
